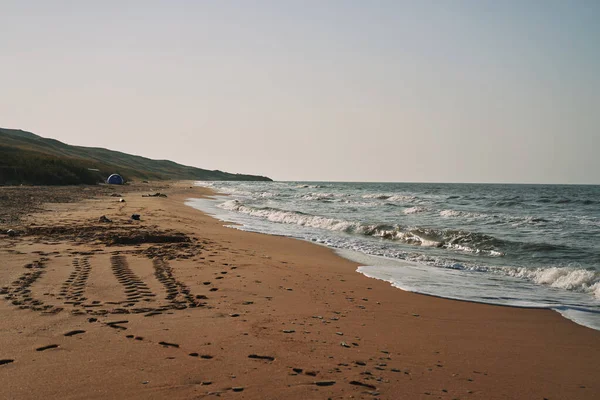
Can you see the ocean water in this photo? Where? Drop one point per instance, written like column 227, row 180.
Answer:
column 518, row 245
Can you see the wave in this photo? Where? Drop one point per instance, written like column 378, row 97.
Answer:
column 555, row 200
column 415, row 210
column 308, row 186
column 290, row 217
column 452, row 239
column 494, row 218
column 529, row 221
column 458, row 213
column 446, row 247
column 567, row 278
column 457, row 240
column 574, row 279
column 589, row 221
column 321, row 196
column 233, row 191
column 391, row 197
column 506, row 203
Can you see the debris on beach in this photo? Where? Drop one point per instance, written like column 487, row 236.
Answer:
column 157, row 194
column 104, row 219
column 135, row 217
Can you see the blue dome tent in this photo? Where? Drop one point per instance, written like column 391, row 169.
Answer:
column 115, row 179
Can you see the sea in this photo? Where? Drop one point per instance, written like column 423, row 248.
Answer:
column 515, row 245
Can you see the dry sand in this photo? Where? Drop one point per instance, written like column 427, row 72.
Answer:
column 177, row 306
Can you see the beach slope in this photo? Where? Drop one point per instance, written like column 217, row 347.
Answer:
column 178, row 306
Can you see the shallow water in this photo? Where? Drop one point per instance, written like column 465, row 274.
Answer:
column 519, row 245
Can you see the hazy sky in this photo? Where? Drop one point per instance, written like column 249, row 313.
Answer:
column 442, row 91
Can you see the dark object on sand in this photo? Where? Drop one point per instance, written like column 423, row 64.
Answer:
column 115, row 179
column 121, row 200
column 167, row 344
column 75, row 332
column 11, row 233
column 325, row 383
column 358, row 383
column 135, row 217
column 157, row 194
column 50, row 346
column 104, row 219
column 256, row 356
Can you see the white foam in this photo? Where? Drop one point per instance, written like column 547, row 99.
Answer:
column 580, row 280
column 290, row 217
column 463, row 214
column 402, row 198
column 415, row 210
column 320, row 196
column 379, row 196
column 390, row 197
column 482, row 288
column 450, row 213
column 565, row 289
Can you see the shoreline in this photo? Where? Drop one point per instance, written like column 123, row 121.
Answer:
column 575, row 318
column 274, row 297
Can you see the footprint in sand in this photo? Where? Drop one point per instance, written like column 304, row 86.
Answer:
column 75, row 332
column 167, row 344
column 50, row 346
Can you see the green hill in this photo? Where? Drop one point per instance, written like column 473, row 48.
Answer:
column 26, row 158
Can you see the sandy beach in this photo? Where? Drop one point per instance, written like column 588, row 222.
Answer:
column 178, row 306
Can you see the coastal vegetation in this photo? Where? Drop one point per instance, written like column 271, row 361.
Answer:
column 26, row 158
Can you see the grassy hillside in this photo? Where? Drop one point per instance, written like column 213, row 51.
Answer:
column 30, row 159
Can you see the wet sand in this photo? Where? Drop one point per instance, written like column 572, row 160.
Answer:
column 178, row 306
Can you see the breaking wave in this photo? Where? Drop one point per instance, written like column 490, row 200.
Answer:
column 539, row 240
column 457, row 240
column 567, row 278
column 290, row 217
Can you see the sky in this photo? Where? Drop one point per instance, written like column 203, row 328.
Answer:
column 324, row 90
